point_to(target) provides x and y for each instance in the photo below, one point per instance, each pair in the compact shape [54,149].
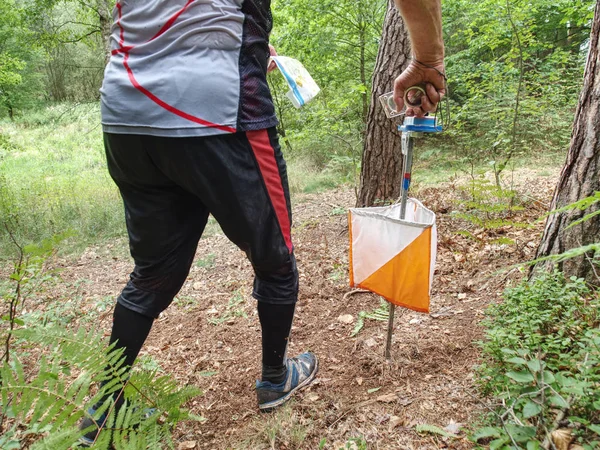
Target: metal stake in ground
[407,153]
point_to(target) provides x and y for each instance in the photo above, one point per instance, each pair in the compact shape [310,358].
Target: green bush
[48,373]
[542,362]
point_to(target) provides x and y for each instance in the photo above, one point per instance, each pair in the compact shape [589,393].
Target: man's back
[188,68]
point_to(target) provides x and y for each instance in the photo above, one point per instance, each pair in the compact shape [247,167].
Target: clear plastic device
[389,105]
[412,97]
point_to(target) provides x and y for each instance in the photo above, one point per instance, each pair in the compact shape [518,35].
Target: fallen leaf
[453,427]
[370,342]
[313,397]
[186,445]
[387,398]
[371,391]
[359,381]
[394,422]
[405,401]
[462,296]
[561,438]
[346,318]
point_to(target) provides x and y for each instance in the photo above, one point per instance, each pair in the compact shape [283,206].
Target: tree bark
[382,159]
[580,176]
[104,12]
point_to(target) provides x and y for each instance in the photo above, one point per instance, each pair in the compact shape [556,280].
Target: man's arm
[423,20]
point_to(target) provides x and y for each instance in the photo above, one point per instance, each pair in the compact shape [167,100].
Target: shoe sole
[268,407]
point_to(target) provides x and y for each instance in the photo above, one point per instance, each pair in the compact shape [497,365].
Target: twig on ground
[355,291]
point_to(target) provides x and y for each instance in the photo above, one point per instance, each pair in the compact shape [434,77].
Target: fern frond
[63,439]
[54,399]
[83,350]
[45,398]
[432,429]
[160,392]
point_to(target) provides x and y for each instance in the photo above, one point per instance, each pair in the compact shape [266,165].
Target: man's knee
[151,294]
[276,283]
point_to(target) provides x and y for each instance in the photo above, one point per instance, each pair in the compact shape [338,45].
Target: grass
[284,428]
[53,177]
[305,177]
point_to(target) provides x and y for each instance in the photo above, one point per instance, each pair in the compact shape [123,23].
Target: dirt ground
[210,336]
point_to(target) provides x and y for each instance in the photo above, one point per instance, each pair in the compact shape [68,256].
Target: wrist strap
[431,67]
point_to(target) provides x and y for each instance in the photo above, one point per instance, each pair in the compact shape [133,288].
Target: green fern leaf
[432,429]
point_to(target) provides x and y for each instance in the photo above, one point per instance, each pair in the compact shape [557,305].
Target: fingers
[399,89]
[430,79]
[430,101]
[428,104]
[272,66]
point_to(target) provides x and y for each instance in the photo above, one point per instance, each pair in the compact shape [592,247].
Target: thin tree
[580,176]
[382,159]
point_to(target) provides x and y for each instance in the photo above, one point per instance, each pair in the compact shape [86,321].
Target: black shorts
[170,185]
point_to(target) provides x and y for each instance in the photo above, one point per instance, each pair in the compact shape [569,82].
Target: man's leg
[164,224]
[241,178]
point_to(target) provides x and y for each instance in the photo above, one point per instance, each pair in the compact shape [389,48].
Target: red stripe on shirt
[170,22]
[146,92]
[265,156]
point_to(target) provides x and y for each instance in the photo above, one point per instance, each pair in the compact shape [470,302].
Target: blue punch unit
[420,125]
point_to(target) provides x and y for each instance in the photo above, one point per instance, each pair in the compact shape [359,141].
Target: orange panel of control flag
[394,257]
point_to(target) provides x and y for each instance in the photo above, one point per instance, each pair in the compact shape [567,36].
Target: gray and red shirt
[188,68]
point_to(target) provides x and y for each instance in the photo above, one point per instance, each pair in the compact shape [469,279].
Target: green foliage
[20,59]
[432,429]
[51,400]
[234,309]
[337,42]
[355,443]
[43,401]
[27,275]
[206,263]
[488,207]
[515,70]
[592,251]
[381,313]
[542,351]
[53,177]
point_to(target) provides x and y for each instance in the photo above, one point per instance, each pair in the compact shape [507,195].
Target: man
[189,129]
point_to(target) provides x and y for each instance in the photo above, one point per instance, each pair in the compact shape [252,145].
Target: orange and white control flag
[394,257]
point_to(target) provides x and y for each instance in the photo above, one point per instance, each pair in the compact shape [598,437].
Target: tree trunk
[580,177]
[104,12]
[363,75]
[382,159]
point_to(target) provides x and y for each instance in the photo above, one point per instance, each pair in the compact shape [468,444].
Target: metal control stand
[411,128]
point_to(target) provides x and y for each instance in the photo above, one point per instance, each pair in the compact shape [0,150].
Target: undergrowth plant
[28,274]
[381,313]
[234,309]
[49,373]
[43,401]
[488,207]
[542,365]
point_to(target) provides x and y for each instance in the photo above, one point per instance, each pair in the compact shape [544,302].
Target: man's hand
[272,66]
[423,20]
[430,78]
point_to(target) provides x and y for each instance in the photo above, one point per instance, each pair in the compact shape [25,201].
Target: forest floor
[210,336]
